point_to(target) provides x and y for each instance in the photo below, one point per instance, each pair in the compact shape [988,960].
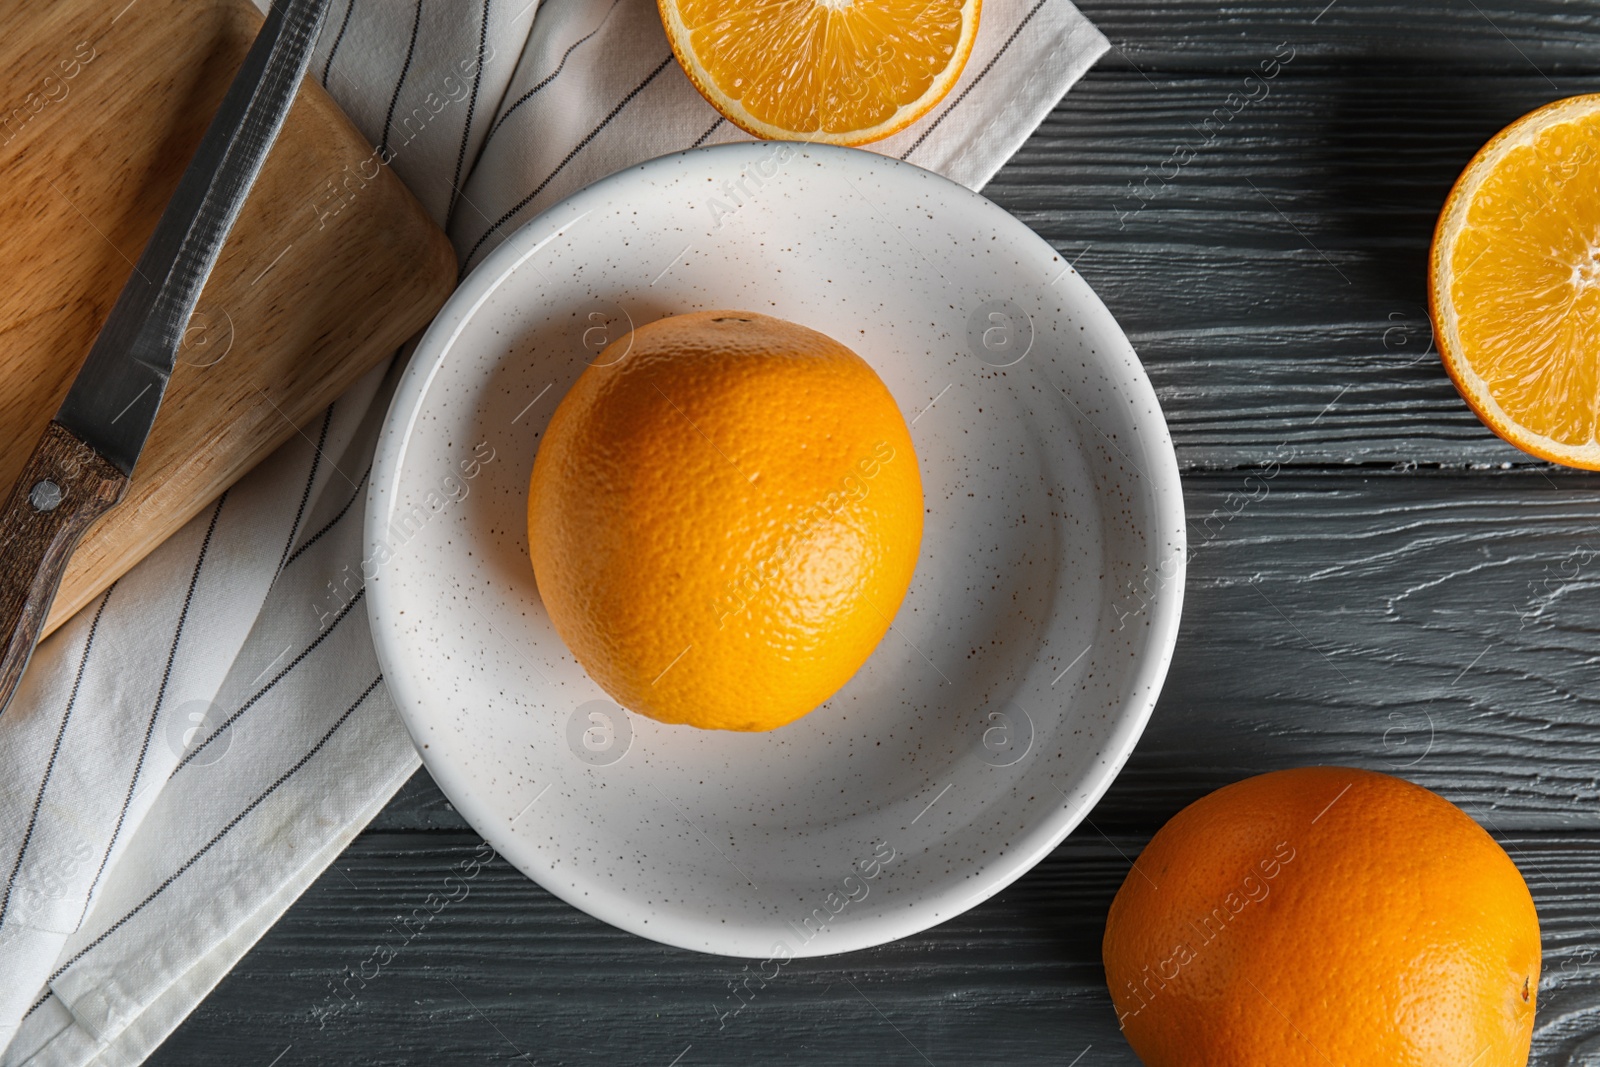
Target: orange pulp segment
[1515,287]
[838,71]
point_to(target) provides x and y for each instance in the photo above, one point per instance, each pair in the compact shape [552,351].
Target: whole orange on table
[724,516]
[1321,916]
[1516,283]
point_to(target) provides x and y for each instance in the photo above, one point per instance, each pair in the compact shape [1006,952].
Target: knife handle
[65,486]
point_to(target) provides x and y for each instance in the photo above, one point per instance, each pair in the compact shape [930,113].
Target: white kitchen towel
[195,747]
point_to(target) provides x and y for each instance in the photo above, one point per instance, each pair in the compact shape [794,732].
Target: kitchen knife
[81,465]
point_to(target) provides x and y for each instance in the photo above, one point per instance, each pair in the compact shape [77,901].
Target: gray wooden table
[1409,595]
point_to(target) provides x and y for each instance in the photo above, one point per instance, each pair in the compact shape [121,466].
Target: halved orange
[1515,291]
[838,71]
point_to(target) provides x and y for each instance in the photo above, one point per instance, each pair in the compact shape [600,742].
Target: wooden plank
[1556,36]
[1437,625]
[507,971]
[1389,587]
[1275,284]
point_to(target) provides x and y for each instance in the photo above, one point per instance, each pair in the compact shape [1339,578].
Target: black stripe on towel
[209,845]
[394,99]
[155,708]
[472,107]
[581,145]
[327,68]
[331,523]
[548,78]
[344,613]
[55,750]
[305,494]
[713,129]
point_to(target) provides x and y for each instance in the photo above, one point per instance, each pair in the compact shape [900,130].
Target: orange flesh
[1518,272]
[840,72]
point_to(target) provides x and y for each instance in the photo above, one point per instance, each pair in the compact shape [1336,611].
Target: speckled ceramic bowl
[1019,672]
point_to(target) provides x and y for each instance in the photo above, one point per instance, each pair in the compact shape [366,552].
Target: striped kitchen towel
[193,749]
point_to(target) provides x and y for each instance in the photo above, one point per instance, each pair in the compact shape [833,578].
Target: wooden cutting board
[331,266]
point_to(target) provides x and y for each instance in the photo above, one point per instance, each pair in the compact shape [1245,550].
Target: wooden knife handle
[65,486]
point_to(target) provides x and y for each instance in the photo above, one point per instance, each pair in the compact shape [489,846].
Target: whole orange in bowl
[1321,916]
[724,516]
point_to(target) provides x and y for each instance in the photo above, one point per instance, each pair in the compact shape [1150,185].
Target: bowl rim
[1161,615]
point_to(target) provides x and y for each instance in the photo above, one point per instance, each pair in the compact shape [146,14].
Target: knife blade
[80,468]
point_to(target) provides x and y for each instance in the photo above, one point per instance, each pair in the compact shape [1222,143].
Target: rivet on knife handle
[83,463]
[63,489]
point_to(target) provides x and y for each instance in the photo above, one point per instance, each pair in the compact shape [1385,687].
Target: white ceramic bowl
[1018,674]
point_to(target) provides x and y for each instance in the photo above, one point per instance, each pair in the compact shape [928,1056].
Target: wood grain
[319,281]
[1559,36]
[1391,541]
[1436,626]
[510,972]
[65,486]
[1275,285]
[1390,586]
